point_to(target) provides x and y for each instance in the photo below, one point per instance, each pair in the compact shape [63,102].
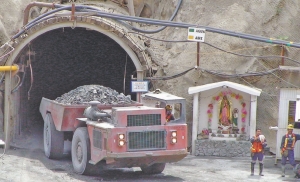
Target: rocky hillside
[271,18]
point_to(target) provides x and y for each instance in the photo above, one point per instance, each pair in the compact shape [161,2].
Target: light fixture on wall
[224,86]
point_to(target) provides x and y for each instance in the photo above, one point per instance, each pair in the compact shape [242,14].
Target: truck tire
[81,151]
[53,139]
[154,168]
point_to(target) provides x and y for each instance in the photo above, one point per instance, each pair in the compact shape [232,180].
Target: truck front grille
[144,120]
[146,140]
[97,139]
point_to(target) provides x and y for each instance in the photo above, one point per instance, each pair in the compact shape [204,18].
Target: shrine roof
[161,95]
[237,86]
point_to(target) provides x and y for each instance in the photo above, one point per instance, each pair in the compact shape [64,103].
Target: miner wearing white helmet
[287,148]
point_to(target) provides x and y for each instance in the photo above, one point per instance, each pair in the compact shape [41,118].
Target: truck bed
[64,116]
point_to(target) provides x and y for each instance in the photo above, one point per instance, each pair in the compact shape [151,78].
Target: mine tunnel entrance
[64,59]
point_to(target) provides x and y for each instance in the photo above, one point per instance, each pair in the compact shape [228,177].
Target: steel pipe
[9,68]
[38,4]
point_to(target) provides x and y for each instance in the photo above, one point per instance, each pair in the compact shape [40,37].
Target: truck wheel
[81,151]
[53,139]
[154,168]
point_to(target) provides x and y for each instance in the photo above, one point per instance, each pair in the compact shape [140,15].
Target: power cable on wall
[159,29]
[272,72]
[169,77]
[223,74]
[270,95]
[223,50]
[97,12]
[163,23]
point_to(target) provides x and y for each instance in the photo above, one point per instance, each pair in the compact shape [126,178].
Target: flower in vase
[243,104]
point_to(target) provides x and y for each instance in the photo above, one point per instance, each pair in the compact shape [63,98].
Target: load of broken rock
[85,94]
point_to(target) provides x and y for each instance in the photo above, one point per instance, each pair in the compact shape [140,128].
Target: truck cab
[161,99]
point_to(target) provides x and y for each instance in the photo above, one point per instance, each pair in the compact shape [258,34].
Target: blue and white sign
[139,86]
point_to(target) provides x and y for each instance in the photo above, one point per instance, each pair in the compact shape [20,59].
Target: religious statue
[225,112]
[235,114]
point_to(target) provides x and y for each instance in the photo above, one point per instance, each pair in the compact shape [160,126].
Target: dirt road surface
[26,162]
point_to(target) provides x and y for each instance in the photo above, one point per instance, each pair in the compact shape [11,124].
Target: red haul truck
[128,135]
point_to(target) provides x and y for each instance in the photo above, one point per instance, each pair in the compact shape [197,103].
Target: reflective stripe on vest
[257,146]
[287,138]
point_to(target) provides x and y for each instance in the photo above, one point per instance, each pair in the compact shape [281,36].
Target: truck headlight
[173,137]
[121,136]
[121,143]
[174,140]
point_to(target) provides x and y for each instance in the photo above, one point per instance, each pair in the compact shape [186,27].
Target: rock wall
[11,18]
[270,18]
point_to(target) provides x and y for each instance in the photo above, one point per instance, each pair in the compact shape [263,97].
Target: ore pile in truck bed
[87,93]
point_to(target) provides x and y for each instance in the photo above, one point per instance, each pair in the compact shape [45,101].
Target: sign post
[196,34]
[139,86]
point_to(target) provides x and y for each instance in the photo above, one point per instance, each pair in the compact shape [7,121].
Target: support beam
[195,121]
[131,8]
[253,107]
[7,109]
[140,76]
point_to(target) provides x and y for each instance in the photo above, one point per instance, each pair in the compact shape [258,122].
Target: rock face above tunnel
[87,93]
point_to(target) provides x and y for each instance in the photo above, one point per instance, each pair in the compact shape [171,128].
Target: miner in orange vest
[257,150]
[169,115]
[287,147]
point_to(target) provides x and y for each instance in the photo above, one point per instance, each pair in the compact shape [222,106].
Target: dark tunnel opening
[64,59]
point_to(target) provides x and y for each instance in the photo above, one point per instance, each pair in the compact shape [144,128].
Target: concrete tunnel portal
[66,58]
[63,58]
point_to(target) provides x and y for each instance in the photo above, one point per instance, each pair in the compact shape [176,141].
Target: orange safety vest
[286,141]
[256,146]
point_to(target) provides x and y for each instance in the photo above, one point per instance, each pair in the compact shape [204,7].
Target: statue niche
[225,115]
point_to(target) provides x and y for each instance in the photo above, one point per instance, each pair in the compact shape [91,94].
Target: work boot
[252,168]
[295,169]
[283,170]
[261,166]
